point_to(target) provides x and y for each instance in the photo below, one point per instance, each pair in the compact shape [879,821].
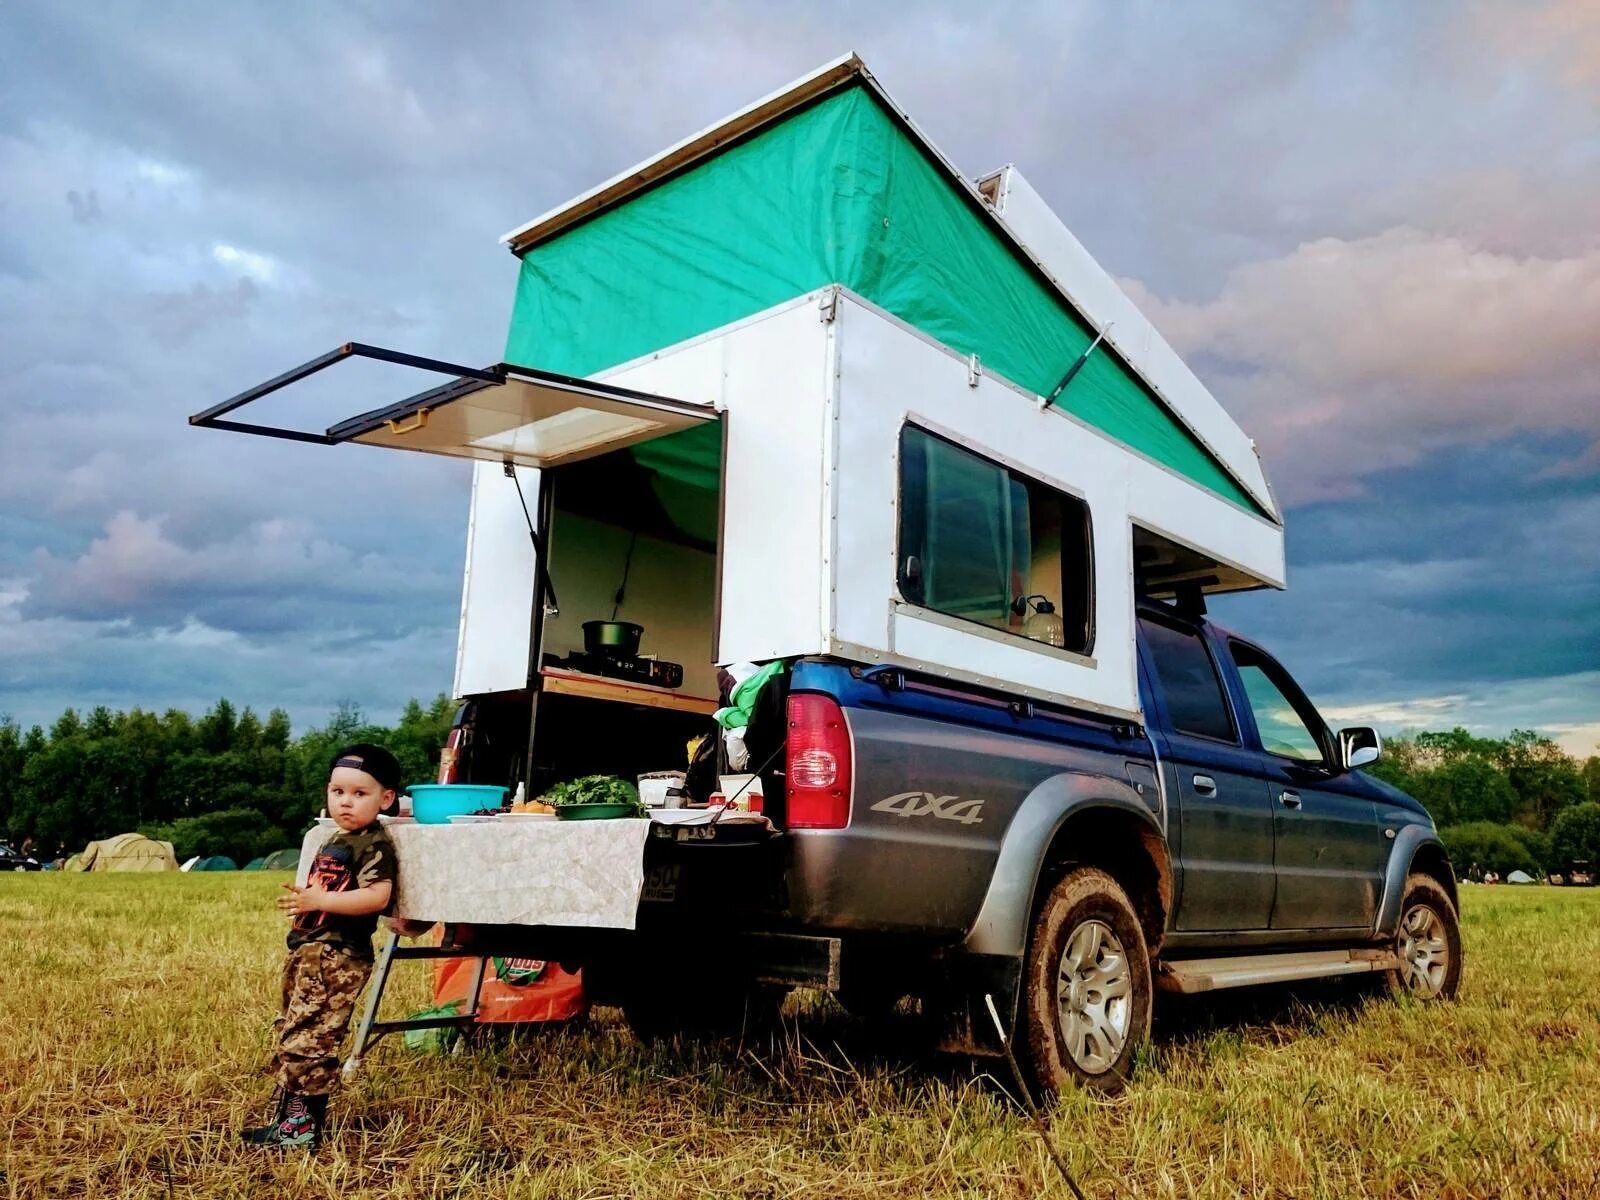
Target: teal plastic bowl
[436,803]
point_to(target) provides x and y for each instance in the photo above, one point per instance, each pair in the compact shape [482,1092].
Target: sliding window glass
[984,543]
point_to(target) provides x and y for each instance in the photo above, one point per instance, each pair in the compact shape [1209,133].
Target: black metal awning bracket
[547,587]
[467,379]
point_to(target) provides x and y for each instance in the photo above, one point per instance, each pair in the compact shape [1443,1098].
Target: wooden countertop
[558,681]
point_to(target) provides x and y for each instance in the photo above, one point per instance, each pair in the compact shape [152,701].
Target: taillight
[819,763]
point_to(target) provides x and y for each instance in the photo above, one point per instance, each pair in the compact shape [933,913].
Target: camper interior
[626,654]
[1166,569]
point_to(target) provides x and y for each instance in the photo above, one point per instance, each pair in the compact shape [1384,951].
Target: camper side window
[980,541]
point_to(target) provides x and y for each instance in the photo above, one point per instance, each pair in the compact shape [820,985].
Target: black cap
[373,759]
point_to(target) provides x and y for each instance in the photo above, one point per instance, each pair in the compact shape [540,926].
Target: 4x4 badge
[926,804]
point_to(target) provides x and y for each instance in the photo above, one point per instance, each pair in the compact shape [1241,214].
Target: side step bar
[1212,974]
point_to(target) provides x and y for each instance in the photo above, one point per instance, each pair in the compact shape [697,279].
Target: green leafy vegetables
[595,789]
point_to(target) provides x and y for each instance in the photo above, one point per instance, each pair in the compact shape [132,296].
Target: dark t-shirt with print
[347,861]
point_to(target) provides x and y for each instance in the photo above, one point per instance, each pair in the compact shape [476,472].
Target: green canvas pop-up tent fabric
[125,852]
[216,862]
[835,193]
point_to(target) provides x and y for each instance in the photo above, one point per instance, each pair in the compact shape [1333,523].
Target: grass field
[134,1013]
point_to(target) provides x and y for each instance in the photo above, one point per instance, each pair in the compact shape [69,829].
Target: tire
[1428,940]
[1086,986]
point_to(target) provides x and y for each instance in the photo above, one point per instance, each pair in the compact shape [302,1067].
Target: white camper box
[815,393]
[811,393]
[792,290]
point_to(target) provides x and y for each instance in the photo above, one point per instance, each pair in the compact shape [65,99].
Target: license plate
[660,885]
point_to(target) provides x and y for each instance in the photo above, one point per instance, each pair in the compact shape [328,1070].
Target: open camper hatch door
[501,413]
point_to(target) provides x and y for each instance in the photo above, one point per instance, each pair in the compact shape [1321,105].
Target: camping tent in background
[282,860]
[1519,877]
[216,862]
[255,864]
[188,863]
[125,852]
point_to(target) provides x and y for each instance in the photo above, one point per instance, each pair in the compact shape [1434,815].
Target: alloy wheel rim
[1094,997]
[1424,951]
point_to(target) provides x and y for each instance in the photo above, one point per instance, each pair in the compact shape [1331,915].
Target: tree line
[1518,803]
[231,783]
[227,782]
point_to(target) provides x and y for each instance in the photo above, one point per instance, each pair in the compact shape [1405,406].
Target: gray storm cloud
[1371,227]
[1348,356]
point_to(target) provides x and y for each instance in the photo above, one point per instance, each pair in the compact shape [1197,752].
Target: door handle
[1289,799]
[1205,785]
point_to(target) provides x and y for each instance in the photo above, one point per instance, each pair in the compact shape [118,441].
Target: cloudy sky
[1372,228]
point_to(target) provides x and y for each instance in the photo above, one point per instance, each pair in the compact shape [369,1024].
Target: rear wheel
[1428,941]
[1086,986]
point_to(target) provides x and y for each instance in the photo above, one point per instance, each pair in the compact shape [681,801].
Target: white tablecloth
[514,872]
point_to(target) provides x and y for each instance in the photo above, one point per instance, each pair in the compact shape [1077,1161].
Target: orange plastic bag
[514,989]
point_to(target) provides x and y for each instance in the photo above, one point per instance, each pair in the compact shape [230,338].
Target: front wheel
[1428,942]
[1086,986]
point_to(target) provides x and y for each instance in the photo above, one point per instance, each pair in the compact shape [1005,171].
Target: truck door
[1330,850]
[1222,829]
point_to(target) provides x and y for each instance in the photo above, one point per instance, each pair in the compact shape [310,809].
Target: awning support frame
[211,418]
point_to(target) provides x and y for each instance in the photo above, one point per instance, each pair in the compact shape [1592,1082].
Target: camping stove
[654,672]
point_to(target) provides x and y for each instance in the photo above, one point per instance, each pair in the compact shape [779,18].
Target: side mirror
[1358,746]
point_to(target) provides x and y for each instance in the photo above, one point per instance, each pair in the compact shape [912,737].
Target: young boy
[334,915]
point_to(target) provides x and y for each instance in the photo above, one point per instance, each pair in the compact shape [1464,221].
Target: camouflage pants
[320,986]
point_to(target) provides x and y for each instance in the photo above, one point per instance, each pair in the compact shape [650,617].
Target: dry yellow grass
[133,1021]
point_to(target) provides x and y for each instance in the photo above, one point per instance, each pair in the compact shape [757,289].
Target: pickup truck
[955,844]
[925,452]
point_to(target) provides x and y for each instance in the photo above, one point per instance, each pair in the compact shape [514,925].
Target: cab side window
[1189,681]
[1286,728]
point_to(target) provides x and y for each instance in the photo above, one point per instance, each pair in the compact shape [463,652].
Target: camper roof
[1223,458]
[844,71]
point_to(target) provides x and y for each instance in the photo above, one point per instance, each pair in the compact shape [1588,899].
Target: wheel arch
[1125,846]
[1417,850]
[1433,860]
[1075,820]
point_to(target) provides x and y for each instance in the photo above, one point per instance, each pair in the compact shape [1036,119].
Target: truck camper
[794,404]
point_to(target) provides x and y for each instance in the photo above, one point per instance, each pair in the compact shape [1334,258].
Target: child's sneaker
[299,1125]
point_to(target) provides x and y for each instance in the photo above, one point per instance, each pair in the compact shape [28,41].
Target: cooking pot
[614,639]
